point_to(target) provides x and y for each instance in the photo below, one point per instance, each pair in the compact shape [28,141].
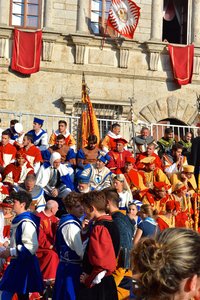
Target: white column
[4,12]
[156,20]
[83,16]
[196,21]
[48,14]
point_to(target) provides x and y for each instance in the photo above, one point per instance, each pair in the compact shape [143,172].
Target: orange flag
[89,123]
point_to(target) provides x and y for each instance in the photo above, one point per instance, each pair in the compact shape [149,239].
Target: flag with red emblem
[123,17]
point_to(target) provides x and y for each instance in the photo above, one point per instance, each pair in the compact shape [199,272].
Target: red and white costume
[7,154]
[16,174]
[33,155]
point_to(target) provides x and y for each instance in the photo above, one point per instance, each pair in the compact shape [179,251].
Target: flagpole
[132,101]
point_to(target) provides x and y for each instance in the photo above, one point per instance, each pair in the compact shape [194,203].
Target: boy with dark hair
[7,151]
[23,275]
[70,249]
[122,274]
[102,250]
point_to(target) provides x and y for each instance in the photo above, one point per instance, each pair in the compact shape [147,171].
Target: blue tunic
[69,269]
[23,274]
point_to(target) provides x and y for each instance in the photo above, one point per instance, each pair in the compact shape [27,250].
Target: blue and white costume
[40,139]
[60,178]
[70,250]
[23,274]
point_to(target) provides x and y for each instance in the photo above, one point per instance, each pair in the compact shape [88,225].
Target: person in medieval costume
[22,275]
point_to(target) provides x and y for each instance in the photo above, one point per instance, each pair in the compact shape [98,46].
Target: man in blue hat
[100,176]
[40,137]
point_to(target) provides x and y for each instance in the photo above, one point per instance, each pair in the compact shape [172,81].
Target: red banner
[182,63]
[26,51]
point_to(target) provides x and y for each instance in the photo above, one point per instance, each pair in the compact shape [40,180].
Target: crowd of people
[83,223]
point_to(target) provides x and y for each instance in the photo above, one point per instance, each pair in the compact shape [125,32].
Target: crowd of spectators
[94,205]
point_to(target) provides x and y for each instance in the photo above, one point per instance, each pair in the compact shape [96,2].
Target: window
[176,21]
[26,13]
[99,16]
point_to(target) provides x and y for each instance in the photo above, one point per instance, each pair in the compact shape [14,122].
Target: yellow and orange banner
[89,123]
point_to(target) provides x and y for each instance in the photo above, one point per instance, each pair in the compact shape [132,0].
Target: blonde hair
[162,263]
[122,178]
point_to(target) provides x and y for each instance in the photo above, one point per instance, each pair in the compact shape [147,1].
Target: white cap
[18,127]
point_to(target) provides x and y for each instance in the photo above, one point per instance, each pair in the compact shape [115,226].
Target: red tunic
[33,154]
[48,258]
[140,156]
[16,173]
[118,159]
[101,252]
[7,154]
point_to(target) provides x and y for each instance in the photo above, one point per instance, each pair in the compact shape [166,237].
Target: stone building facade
[119,70]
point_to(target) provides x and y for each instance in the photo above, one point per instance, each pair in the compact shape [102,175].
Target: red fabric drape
[26,51]
[182,63]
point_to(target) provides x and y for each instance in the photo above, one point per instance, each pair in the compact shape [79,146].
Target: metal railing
[51,124]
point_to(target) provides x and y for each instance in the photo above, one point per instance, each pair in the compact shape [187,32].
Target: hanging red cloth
[182,63]
[26,51]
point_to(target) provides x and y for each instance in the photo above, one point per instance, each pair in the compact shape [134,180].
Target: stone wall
[138,68]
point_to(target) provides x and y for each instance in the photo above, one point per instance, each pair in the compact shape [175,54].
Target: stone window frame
[26,3]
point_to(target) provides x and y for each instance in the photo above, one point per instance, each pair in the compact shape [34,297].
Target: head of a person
[27,139]
[160,189]
[94,203]
[13,122]
[21,200]
[129,164]
[120,144]
[168,267]
[92,141]
[62,126]
[149,163]
[150,149]
[102,159]
[73,205]
[168,134]
[55,160]
[83,184]
[119,182]
[145,211]
[21,158]
[5,139]
[180,189]
[170,206]
[52,207]
[30,182]
[37,124]
[7,206]
[132,210]
[145,132]
[112,198]
[60,141]
[116,128]
[177,150]
[188,171]
[188,136]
